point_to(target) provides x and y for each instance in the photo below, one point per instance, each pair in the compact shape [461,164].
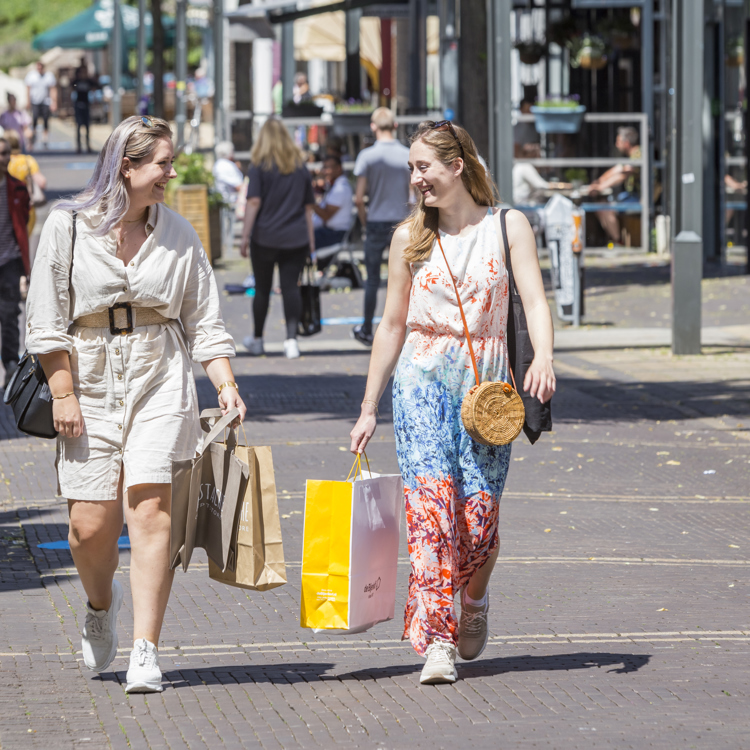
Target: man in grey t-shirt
[382,173]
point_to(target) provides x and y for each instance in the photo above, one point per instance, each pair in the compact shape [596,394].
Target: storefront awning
[92,28]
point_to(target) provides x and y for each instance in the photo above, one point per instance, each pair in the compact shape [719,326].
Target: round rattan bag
[493,413]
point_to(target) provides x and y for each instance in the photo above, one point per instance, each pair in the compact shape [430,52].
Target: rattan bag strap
[463,318]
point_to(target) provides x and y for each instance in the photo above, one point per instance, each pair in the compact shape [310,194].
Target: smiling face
[147,179]
[437,182]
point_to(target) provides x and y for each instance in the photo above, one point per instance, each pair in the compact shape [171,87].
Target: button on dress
[137,391]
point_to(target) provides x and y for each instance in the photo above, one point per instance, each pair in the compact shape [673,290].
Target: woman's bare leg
[477,586]
[93,533]
[147,511]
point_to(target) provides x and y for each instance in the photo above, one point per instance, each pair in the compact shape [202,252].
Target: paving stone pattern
[619,606]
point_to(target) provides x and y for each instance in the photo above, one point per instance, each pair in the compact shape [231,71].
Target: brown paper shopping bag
[257,549]
[206,491]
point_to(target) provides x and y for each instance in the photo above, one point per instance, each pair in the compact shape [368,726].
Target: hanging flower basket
[530,53]
[735,53]
[558,117]
[591,59]
[588,51]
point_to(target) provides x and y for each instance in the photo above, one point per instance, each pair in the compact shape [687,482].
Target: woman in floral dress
[453,485]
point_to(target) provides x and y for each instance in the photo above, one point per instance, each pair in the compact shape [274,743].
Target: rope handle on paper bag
[358,466]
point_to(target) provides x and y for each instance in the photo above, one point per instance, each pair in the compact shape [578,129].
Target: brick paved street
[619,606]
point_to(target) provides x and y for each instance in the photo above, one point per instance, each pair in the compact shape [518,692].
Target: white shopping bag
[350,552]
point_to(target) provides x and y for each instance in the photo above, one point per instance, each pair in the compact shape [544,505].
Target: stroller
[338,264]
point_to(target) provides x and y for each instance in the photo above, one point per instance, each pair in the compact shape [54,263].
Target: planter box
[558,119]
[191,202]
[351,123]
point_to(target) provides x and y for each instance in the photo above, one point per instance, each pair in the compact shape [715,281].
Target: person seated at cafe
[527,182]
[623,176]
[525,132]
[333,215]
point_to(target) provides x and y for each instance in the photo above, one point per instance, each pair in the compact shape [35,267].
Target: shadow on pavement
[276,674]
[564,662]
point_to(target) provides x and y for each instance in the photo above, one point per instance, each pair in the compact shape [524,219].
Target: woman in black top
[278,228]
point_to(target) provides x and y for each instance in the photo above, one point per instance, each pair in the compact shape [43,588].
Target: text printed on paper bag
[212,498]
[326,595]
[371,588]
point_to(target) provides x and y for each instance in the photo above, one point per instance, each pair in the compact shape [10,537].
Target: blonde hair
[382,118]
[275,148]
[135,138]
[422,223]
[11,138]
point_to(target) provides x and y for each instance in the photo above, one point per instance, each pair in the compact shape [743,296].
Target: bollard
[687,272]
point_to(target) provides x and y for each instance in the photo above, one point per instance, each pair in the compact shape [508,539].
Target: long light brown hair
[422,223]
[275,148]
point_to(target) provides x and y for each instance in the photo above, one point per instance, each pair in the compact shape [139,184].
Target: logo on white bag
[212,497]
[371,588]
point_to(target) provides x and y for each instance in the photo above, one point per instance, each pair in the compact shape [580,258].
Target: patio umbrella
[92,28]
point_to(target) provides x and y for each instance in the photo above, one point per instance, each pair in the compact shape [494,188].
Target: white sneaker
[144,675]
[254,346]
[291,349]
[441,663]
[472,628]
[99,636]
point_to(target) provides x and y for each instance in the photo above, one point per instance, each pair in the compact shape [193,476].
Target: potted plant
[192,195]
[531,52]
[352,118]
[558,115]
[588,51]
[735,52]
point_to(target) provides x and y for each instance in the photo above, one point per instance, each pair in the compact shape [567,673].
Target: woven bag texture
[493,413]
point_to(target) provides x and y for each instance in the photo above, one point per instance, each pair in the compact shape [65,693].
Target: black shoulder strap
[73,244]
[506,244]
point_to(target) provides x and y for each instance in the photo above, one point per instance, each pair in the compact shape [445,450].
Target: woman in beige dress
[135,281]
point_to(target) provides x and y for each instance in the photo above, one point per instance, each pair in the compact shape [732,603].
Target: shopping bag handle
[224,422]
[358,465]
[216,414]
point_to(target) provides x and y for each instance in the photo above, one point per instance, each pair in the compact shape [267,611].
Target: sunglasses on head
[147,121]
[448,125]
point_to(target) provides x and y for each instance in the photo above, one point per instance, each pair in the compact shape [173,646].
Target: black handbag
[28,392]
[309,322]
[521,352]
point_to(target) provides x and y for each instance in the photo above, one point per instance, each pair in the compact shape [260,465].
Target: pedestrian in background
[278,228]
[17,121]
[25,167]
[83,85]
[14,258]
[333,215]
[382,174]
[42,94]
[228,179]
[143,300]
[452,485]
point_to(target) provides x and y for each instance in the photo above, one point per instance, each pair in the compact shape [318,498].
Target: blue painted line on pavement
[123,543]
[345,321]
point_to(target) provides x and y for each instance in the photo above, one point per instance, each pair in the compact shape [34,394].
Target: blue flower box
[558,119]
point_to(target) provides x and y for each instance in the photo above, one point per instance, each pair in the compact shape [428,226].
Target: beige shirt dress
[137,392]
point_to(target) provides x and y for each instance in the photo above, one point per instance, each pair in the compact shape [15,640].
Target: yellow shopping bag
[350,551]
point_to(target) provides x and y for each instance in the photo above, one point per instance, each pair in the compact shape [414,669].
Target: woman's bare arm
[540,377]
[66,412]
[251,213]
[389,339]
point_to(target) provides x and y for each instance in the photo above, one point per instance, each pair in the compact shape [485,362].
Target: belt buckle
[129,312]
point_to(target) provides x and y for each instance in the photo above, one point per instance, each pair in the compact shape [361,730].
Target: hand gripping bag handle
[220,426]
